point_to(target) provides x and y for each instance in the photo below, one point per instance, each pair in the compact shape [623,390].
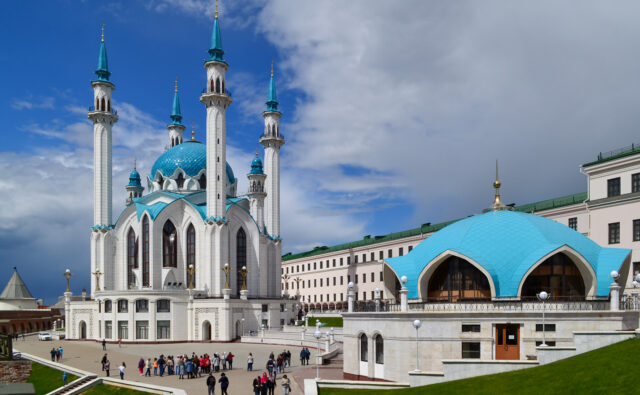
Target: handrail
[93,109]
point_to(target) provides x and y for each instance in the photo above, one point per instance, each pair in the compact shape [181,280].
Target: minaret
[216,100]
[103,118]
[134,187]
[256,191]
[176,128]
[272,140]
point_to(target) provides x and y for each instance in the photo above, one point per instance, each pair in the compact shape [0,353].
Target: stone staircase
[77,386]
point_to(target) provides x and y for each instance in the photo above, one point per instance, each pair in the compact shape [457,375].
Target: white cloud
[32,102]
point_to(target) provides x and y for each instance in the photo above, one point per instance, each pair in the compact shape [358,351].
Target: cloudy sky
[394,112]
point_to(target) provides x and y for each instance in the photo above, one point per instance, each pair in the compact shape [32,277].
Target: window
[364,352]
[364,278]
[348,260]
[145,251]
[613,187]
[107,306]
[191,256]
[410,248]
[108,330]
[163,306]
[373,296]
[334,281]
[321,297]
[169,245]
[364,258]
[308,283]
[381,255]
[334,263]
[123,306]
[315,283]
[123,329]
[400,251]
[320,264]
[314,266]
[241,256]
[573,223]
[470,327]
[470,350]
[364,295]
[635,182]
[614,233]
[202,181]
[636,230]
[341,280]
[389,254]
[132,261]
[341,295]
[282,307]
[373,256]
[320,282]
[355,276]
[381,278]
[378,344]
[636,268]
[265,308]
[348,278]
[355,259]
[455,280]
[164,330]
[373,277]
[142,329]
[142,306]
[547,327]
[340,261]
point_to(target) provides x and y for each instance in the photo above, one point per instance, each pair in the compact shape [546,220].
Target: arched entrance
[238,330]
[82,329]
[557,275]
[456,280]
[206,330]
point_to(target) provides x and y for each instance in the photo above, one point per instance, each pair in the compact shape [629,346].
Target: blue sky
[394,112]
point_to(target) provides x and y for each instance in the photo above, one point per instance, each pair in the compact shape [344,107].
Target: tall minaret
[256,191]
[103,118]
[216,100]
[272,140]
[176,128]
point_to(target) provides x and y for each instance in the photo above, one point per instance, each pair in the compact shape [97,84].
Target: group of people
[276,364]
[183,365]
[106,367]
[266,385]
[304,356]
[56,354]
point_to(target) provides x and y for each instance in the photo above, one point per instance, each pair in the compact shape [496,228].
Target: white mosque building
[192,259]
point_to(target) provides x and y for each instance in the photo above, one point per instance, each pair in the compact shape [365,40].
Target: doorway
[206,330]
[83,330]
[508,341]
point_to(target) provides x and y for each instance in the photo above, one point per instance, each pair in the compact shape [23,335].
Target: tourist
[216,363]
[224,383]
[121,368]
[170,364]
[147,367]
[189,368]
[141,366]
[107,367]
[307,354]
[288,358]
[161,364]
[230,359]
[211,384]
[286,385]
[64,378]
[104,344]
[53,354]
[271,365]
[256,386]
[180,367]
[280,363]
[303,356]
[224,361]
[60,351]
[155,366]
[119,342]
[250,362]
[271,384]
[263,383]
[104,360]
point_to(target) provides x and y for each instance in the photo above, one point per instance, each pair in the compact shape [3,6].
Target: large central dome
[190,156]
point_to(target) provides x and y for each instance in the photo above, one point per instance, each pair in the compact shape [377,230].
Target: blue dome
[134,179]
[256,165]
[507,244]
[190,156]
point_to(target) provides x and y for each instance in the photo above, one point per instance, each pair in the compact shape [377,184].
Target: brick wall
[14,371]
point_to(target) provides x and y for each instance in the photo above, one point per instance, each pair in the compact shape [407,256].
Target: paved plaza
[86,355]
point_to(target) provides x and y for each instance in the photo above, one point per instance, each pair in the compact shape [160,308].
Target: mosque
[192,259]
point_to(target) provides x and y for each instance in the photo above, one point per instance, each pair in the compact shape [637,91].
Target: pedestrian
[256,386]
[107,367]
[302,356]
[224,383]
[141,366]
[155,366]
[307,354]
[147,366]
[286,385]
[104,360]
[180,368]
[60,351]
[271,384]
[263,383]
[161,364]
[119,342]
[53,354]
[121,368]
[57,355]
[211,384]
[189,368]
[170,365]
[224,361]
[250,362]
[64,378]
[230,359]
[104,344]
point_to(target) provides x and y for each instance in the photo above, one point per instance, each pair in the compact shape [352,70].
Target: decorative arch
[241,256]
[206,330]
[169,245]
[180,180]
[191,255]
[132,257]
[363,347]
[217,85]
[102,106]
[425,276]
[203,181]
[145,251]
[211,89]
[378,348]
[82,330]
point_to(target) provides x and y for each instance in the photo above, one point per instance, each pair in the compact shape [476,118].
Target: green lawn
[46,379]
[609,370]
[335,322]
[110,389]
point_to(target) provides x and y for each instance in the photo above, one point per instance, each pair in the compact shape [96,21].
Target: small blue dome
[256,165]
[134,179]
[190,156]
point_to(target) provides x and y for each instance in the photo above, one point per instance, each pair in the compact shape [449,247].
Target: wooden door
[507,341]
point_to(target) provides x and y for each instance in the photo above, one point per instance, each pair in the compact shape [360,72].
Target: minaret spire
[215,49]
[176,128]
[103,66]
[497,202]
[272,101]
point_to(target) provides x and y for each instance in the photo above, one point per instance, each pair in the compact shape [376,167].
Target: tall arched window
[211,86]
[241,256]
[145,251]
[456,280]
[97,104]
[102,106]
[191,254]
[364,351]
[180,180]
[222,86]
[109,105]
[217,85]
[169,245]
[131,258]
[379,345]
[203,182]
[557,275]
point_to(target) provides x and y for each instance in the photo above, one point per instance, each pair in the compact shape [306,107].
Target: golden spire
[176,83]
[257,148]
[497,202]
[103,32]
[216,9]
[271,67]
[193,131]
[135,162]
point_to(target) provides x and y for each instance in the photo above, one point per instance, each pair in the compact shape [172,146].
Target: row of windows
[341,299]
[613,185]
[142,306]
[329,263]
[614,231]
[163,330]
[335,281]
[476,328]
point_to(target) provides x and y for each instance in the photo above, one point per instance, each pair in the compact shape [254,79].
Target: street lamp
[242,324]
[67,274]
[417,324]
[317,334]
[543,296]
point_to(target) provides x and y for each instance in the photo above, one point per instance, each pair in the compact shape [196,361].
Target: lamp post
[97,273]
[285,278]
[417,324]
[244,272]
[242,325]
[227,270]
[317,334]
[67,274]
[191,271]
[614,290]
[634,293]
[543,296]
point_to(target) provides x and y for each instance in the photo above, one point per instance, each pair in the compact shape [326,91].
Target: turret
[256,192]
[134,187]
[176,128]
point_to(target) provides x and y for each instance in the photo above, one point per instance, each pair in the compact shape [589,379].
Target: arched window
[223,86]
[203,182]
[109,105]
[364,352]
[379,346]
[169,245]
[191,254]
[108,306]
[180,181]
[131,258]
[457,280]
[102,106]
[217,85]
[97,104]
[557,275]
[145,251]
[241,256]
[211,86]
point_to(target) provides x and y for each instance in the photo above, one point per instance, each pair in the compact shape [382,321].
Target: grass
[111,389]
[609,370]
[46,379]
[335,322]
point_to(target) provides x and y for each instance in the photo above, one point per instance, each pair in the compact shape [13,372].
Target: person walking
[104,344]
[141,366]
[60,351]
[53,354]
[107,367]
[121,368]
[256,386]
[64,378]
[147,367]
[250,362]
[271,384]
[263,383]
[224,383]
[155,366]
[229,358]
[224,361]
[103,361]
[211,384]
[302,357]
[286,385]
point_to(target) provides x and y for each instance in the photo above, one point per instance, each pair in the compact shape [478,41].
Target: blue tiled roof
[134,179]
[190,156]
[256,165]
[507,244]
